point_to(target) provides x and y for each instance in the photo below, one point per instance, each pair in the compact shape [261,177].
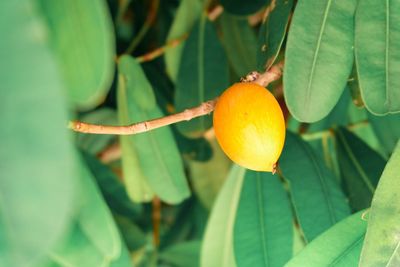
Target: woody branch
[263,79]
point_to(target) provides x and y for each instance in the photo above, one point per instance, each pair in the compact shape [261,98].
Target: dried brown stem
[263,79]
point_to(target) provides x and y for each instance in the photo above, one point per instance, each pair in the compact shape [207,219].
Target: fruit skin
[249,126]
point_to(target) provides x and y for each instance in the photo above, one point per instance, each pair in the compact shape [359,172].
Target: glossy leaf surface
[360,166]
[382,241]
[378,58]
[156,152]
[263,225]
[317,197]
[82,37]
[338,246]
[186,16]
[319,57]
[217,247]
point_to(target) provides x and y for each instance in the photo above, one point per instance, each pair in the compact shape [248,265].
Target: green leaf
[133,236]
[243,8]
[240,43]
[81,34]
[273,32]
[360,166]
[217,246]
[95,143]
[337,116]
[317,198]
[136,184]
[381,245]
[182,254]
[339,246]
[95,218]
[154,153]
[319,57]
[141,91]
[94,239]
[208,177]
[263,226]
[378,58]
[202,76]
[124,260]
[37,181]
[77,250]
[112,189]
[185,18]
[387,129]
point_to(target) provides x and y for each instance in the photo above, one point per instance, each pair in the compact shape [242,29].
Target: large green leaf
[317,198]
[94,239]
[387,129]
[339,246]
[36,159]
[238,7]
[186,16]
[156,152]
[77,250]
[273,32]
[81,34]
[382,241]
[112,189]
[217,246]
[134,179]
[95,218]
[337,116]
[240,43]
[263,226]
[319,57]
[360,166]
[134,237]
[378,58]
[202,76]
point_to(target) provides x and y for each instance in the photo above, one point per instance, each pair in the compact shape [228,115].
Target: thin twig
[156,217]
[201,110]
[263,79]
[214,13]
[146,26]
[161,50]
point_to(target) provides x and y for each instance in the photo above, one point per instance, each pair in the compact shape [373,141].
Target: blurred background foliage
[170,197]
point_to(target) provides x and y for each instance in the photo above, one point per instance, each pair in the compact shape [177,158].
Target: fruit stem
[263,79]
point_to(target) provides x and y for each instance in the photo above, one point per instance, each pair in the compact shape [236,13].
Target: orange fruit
[249,126]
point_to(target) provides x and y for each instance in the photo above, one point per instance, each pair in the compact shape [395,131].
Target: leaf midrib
[261,219]
[311,78]
[322,182]
[347,250]
[166,173]
[387,54]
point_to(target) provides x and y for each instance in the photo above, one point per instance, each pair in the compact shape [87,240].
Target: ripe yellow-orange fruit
[249,126]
